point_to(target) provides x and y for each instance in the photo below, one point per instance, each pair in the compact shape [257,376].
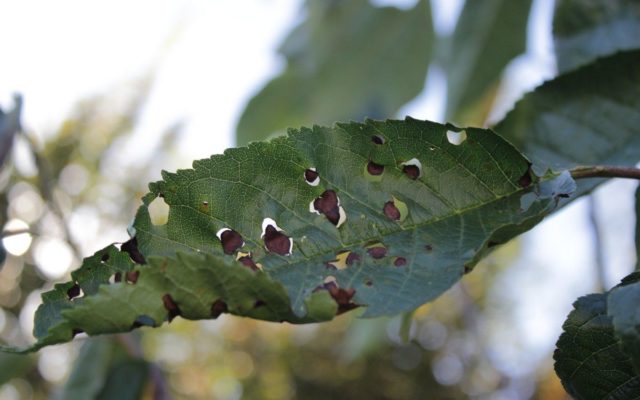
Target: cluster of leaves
[382,215]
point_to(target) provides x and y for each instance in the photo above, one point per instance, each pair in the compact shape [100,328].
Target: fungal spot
[378,139]
[352,258]
[105,257]
[412,168]
[329,204]
[143,320]
[131,247]
[230,239]
[171,307]
[377,251]
[131,276]
[375,169]
[428,247]
[217,308]
[456,138]
[341,260]
[312,177]
[204,207]
[158,211]
[526,179]
[400,261]
[368,282]
[259,303]
[248,262]
[391,211]
[74,291]
[274,240]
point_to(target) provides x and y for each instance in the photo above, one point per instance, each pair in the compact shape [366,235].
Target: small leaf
[624,310]
[369,63]
[489,34]
[586,30]
[588,358]
[90,372]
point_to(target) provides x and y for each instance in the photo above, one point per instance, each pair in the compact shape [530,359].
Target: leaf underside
[260,231]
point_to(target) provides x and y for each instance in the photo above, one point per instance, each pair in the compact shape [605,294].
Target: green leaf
[126,381]
[588,358]
[585,117]
[368,64]
[279,208]
[637,228]
[91,370]
[9,126]
[588,29]
[489,34]
[624,309]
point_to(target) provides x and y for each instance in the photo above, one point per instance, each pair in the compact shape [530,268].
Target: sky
[210,56]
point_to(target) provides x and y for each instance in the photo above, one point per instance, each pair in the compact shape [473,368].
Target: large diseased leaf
[381,215]
[588,358]
[347,60]
[589,116]
[587,29]
[489,34]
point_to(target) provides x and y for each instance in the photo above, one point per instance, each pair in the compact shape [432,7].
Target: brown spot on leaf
[131,247]
[428,247]
[391,211]
[218,307]
[412,171]
[327,204]
[171,307]
[276,241]
[117,277]
[353,257]
[377,139]
[492,244]
[248,262]
[368,282]
[132,276]
[467,269]
[526,179]
[74,291]
[342,297]
[231,241]
[375,169]
[377,251]
[259,303]
[310,175]
[400,261]
[105,257]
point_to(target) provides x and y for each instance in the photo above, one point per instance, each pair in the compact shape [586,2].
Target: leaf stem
[604,171]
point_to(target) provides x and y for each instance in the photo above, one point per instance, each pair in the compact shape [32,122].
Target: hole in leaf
[230,239]
[378,139]
[329,204]
[217,308]
[312,177]
[400,261]
[171,307]
[143,320]
[105,257]
[74,291]
[274,240]
[204,207]
[412,168]
[375,169]
[132,276]
[377,251]
[158,211]
[131,247]
[456,138]
[341,261]
[115,278]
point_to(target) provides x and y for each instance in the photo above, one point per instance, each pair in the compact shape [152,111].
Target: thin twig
[601,277]
[46,189]
[605,171]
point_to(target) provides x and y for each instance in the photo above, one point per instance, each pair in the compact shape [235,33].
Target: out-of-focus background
[114,92]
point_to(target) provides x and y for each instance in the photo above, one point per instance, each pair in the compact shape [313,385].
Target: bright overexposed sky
[210,56]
